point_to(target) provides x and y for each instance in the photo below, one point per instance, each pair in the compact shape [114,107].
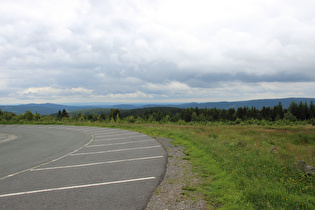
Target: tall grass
[239,168]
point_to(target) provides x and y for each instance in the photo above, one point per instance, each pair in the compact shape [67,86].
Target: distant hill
[252,103]
[50,108]
[42,109]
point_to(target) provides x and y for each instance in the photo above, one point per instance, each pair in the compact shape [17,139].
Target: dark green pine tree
[306,111]
[312,110]
[64,113]
[114,114]
[294,109]
[59,116]
[301,111]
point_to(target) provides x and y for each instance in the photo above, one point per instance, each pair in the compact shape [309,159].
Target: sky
[139,51]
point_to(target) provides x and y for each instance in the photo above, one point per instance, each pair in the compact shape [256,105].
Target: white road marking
[129,142]
[117,150]
[97,163]
[119,138]
[10,175]
[111,131]
[116,134]
[74,187]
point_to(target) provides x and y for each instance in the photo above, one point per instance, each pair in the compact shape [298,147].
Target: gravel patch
[178,188]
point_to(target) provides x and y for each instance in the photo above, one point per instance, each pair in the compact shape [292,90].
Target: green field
[238,168]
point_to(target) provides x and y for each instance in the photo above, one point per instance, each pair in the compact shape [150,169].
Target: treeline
[295,112]
[301,111]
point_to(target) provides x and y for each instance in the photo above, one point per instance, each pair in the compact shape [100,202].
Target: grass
[237,166]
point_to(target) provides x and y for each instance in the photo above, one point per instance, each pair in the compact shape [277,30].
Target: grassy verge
[238,167]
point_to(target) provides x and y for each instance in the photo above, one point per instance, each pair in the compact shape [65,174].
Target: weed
[303,139]
[213,136]
[189,188]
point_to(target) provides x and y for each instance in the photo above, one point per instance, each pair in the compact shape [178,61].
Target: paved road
[69,167]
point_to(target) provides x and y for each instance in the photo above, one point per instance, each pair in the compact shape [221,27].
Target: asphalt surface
[70,167]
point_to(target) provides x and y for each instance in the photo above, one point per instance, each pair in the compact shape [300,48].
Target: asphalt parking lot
[98,168]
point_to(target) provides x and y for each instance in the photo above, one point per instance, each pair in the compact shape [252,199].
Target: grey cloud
[212,80]
[107,48]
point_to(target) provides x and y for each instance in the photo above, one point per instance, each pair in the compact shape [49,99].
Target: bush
[289,117]
[131,119]
[28,115]
[238,121]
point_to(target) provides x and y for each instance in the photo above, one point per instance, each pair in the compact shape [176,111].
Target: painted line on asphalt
[40,165]
[128,142]
[75,187]
[112,131]
[116,132]
[109,135]
[120,138]
[117,150]
[78,128]
[97,163]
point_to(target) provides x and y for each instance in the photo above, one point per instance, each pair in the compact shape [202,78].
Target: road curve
[70,167]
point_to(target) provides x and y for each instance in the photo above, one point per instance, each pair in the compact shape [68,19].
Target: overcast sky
[65,51]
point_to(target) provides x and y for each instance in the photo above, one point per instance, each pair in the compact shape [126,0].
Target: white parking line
[116,134]
[111,131]
[117,150]
[75,187]
[129,142]
[54,160]
[119,138]
[97,163]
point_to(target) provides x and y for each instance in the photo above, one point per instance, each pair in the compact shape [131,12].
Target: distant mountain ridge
[50,108]
[260,103]
[42,109]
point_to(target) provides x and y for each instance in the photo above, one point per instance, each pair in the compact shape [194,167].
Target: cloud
[154,49]
[170,88]
[136,95]
[53,92]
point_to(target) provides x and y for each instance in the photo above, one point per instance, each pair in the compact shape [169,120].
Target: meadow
[239,168]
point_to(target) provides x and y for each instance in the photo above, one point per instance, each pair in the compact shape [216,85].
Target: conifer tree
[312,110]
[64,113]
[59,116]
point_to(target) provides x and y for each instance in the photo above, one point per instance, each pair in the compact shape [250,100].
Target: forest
[296,112]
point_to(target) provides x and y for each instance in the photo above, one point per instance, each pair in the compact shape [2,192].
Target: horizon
[149,103]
